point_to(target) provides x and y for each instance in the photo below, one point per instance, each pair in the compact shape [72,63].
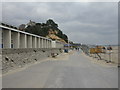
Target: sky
[82,22]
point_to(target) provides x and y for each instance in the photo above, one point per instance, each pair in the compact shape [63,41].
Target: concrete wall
[14,58]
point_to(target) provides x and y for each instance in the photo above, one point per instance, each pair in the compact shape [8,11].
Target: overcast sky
[83,22]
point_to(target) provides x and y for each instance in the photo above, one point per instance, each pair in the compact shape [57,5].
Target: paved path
[72,71]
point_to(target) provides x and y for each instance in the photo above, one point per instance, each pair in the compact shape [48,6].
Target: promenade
[73,70]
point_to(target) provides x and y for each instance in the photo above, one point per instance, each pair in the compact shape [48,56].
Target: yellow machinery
[95,50]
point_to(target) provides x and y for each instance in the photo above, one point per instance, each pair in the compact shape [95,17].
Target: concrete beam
[6,38]
[16,39]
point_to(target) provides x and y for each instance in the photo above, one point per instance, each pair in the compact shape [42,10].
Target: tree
[65,37]
[52,24]
[42,29]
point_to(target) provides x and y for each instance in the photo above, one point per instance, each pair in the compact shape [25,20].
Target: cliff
[49,29]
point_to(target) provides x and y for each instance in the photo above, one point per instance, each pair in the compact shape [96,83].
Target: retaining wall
[14,58]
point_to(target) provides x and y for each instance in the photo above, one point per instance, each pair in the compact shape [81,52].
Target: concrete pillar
[16,39]
[42,43]
[50,44]
[34,42]
[29,41]
[57,45]
[6,38]
[45,43]
[39,42]
[0,38]
[23,40]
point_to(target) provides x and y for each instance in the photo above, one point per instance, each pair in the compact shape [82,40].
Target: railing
[85,49]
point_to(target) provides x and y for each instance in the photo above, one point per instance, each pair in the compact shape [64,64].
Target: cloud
[83,22]
[60,1]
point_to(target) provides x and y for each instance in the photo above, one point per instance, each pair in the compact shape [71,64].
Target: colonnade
[13,38]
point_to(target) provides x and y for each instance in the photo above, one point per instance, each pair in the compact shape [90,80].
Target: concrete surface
[72,70]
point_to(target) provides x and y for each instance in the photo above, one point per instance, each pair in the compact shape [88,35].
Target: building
[22,27]
[31,23]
